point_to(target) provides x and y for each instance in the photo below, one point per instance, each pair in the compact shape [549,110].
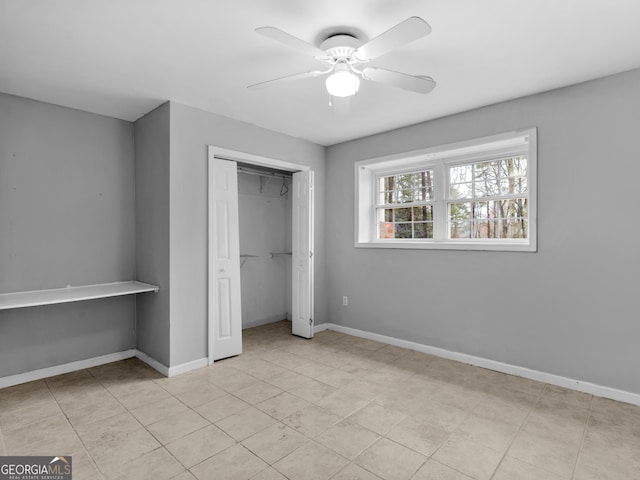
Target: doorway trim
[243,157]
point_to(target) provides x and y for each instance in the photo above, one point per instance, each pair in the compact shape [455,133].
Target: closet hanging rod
[263,174]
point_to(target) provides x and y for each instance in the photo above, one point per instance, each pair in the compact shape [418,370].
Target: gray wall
[191,131]
[152,231]
[66,218]
[570,309]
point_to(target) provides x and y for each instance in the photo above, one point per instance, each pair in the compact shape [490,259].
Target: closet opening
[260,247]
[265,213]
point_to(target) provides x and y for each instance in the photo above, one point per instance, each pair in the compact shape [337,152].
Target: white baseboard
[152,362]
[264,321]
[187,367]
[579,385]
[25,377]
[171,371]
[320,328]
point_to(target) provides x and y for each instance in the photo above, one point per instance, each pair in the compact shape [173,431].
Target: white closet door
[302,254]
[225,317]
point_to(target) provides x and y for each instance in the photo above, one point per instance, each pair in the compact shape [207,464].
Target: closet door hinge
[310,321]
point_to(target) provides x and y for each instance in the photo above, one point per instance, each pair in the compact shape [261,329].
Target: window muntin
[404,205]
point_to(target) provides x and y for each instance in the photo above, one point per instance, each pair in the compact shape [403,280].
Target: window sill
[506,246]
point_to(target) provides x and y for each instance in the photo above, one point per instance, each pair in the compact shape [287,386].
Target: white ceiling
[123,58]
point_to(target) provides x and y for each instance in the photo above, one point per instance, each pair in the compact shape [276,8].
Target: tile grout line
[162,445]
[281,421]
[144,427]
[3,445]
[93,462]
[214,424]
[544,389]
[584,435]
[237,442]
[450,434]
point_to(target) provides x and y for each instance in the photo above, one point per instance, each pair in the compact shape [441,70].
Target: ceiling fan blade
[291,41]
[286,78]
[408,31]
[413,83]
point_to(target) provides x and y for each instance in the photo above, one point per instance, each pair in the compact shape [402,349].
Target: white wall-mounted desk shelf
[73,294]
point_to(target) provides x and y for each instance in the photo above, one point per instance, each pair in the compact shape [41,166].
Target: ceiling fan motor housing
[341,46]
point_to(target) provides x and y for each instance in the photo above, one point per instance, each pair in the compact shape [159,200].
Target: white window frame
[395,205]
[515,143]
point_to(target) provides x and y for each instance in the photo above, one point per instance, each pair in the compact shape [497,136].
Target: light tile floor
[335,407]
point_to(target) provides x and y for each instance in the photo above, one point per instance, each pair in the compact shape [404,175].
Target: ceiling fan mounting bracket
[340,46]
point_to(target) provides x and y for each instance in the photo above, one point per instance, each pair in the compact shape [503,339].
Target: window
[405,205]
[477,195]
[488,199]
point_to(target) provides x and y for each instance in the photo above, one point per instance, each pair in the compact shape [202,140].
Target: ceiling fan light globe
[342,84]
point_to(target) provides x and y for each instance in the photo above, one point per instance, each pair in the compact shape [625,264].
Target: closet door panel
[225,316]
[302,254]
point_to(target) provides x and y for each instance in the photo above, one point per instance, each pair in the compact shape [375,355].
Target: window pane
[405,181]
[403,230]
[493,178]
[513,167]
[386,183]
[405,188]
[492,219]
[460,174]
[517,185]
[385,230]
[405,196]
[402,215]
[459,211]
[425,185]
[482,170]
[481,210]
[459,229]
[423,230]
[426,193]
[486,186]
[514,208]
[514,228]
[486,229]
[461,190]
[423,213]
[385,198]
[385,215]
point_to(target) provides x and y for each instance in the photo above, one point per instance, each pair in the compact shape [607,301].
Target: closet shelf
[73,294]
[280,254]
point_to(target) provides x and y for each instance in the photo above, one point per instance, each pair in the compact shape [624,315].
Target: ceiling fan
[343,54]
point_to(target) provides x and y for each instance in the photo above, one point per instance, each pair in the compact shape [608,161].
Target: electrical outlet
[345,301]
